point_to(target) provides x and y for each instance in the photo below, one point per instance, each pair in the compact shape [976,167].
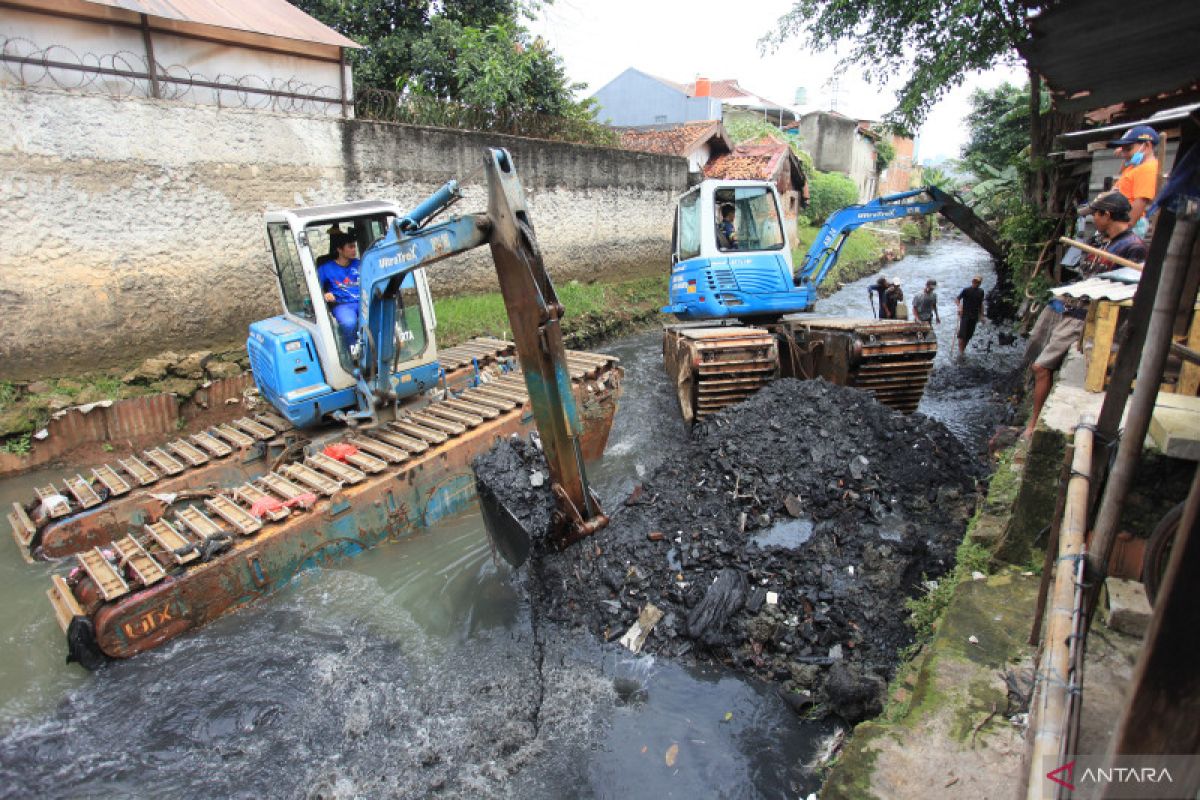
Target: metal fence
[127,74]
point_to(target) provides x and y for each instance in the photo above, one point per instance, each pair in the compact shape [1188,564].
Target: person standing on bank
[970,311]
[925,304]
[339,284]
[1110,214]
[1138,180]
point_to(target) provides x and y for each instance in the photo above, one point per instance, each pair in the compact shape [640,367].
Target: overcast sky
[682,39]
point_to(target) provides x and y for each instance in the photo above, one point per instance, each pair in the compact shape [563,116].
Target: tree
[936,44]
[998,124]
[470,51]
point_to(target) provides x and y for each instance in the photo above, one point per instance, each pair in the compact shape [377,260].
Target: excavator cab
[302,363]
[731,254]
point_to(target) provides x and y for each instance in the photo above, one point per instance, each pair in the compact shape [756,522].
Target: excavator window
[289,272]
[756,221]
[410,324]
[688,226]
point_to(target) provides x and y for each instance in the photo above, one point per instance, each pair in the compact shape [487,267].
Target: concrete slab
[1175,426]
[1126,608]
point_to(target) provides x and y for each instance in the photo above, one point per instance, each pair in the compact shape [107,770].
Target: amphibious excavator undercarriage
[745,315]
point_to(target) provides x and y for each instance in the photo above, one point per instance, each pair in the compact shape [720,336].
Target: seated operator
[726,234]
[339,284]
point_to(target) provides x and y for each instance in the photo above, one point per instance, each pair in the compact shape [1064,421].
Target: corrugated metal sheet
[268,17]
[1097,288]
[1095,53]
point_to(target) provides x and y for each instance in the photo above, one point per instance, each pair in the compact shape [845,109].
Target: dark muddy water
[417,668]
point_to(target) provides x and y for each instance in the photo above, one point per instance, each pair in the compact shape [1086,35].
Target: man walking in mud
[970,311]
[925,305]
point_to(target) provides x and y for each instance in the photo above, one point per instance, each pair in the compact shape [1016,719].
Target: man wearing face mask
[1138,180]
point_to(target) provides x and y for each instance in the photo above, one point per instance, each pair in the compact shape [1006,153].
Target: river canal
[416,669]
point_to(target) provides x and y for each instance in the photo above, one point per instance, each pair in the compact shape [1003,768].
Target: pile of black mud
[783,540]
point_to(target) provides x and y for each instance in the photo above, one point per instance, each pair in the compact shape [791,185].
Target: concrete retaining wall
[133,226]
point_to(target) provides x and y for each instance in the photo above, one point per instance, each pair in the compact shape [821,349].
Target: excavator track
[891,359]
[716,366]
[137,560]
[180,460]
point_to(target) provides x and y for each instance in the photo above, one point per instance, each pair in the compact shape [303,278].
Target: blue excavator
[307,370]
[745,312]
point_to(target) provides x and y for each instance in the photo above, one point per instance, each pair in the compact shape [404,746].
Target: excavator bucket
[507,534]
[534,314]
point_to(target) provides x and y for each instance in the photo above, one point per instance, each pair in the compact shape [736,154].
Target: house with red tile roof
[765,159]
[635,98]
[698,142]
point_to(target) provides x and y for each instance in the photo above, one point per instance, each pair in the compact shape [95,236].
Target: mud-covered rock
[783,539]
[152,369]
[192,365]
[222,369]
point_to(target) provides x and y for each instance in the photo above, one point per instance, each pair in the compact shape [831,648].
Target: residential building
[698,142]
[838,143]
[765,159]
[635,98]
[899,174]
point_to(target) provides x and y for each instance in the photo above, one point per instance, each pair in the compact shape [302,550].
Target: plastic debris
[635,637]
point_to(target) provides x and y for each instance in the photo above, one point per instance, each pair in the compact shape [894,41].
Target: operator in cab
[339,284]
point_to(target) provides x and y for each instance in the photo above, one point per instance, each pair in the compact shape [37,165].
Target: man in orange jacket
[1138,179]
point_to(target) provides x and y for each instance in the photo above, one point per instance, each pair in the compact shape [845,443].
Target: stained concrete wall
[134,226]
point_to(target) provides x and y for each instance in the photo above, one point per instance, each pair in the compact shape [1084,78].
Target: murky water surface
[418,668]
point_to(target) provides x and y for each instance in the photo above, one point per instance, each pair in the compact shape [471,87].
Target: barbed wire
[127,74]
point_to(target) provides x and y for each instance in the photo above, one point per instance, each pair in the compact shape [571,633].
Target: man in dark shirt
[970,311]
[880,287]
[1110,213]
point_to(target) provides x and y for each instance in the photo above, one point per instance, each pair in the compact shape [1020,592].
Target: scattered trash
[973,639]
[635,637]
[772,598]
[672,754]
[536,479]
[978,576]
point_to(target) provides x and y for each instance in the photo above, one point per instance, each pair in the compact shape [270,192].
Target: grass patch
[927,609]
[463,316]
[860,254]
[18,445]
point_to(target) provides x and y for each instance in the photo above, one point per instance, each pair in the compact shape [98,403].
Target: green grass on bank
[860,255]
[463,316]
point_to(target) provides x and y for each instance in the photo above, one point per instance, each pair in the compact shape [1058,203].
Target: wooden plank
[147,570]
[444,411]
[63,601]
[249,494]
[280,486]
[177,547]
[366,462]
[198,522]
[110,480]
[427,420]
[388,452]
[242,520]
[335,469]
[55,501]
[163,462]
[481,411]
[187,451]
[1097,362]
[233,436]
[82,490]
[499,404]
[138,471]
[418,432]
[212,445]
[273,421]
[397,439]
[108,581]
[22,526]
[314,480]
[255,429]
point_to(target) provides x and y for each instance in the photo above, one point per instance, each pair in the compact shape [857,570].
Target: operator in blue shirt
[339,284]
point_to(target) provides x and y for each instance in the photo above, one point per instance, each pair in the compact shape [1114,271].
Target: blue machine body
[747,284]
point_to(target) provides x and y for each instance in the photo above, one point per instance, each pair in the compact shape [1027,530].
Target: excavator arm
[828,245]
[534,315]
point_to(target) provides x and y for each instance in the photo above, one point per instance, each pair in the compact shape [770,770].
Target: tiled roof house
[768,160]
[698,142]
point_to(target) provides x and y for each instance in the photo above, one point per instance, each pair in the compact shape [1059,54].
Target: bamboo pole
[1141,407]
[1103,254]
[1050,705]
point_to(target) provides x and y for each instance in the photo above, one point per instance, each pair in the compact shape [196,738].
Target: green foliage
[470,51]
[828,192]
[935,176]
[8,394]
[18,445]
[927,609]
[885,152]
[910,231]
[936,45]
[745,127]
[999,127]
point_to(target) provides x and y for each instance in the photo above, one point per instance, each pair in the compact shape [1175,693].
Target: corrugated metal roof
[268,17]
[1094,53]
[1097,288]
